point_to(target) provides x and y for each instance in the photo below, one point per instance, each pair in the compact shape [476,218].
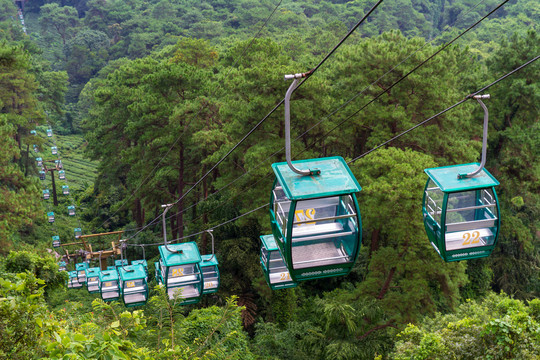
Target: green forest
[110,110]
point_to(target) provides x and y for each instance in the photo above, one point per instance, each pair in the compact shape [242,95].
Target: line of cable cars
[128,283]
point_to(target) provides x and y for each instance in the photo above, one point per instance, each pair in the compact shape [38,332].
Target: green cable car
[50,216]
[460,207]
[46,194]
[65,189]
[110,267]
[133,282]
[62,175]
[109,286]
[77,232]
[49,132]
[58,164]
[210,272]
[179,270]
[81,271]
[120,263]
[314,212]
[73,282]
[62,266]
[92,279]
[32,132]
[275,271]
[42,175]
[54,150]
[56,241]
[71,210]
[39,162]
[461,216]
[35,147]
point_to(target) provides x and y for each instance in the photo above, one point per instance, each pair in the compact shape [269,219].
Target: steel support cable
[308,75]
[407,75]
[194,117]
[364,154]
[447,109]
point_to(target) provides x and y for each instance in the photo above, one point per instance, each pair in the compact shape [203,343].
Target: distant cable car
[54,150]
[210,270]
[49,132]
[179,270]
[71,210]
[46,194]
[39,162]
[133,280]
[73,283]
[42,175]
[77,232]
[108,285]
[81,271]
[119,263]
[36,149]
[314,212]
[62,175]
[58,164]
[274,268]
[110,267]
[50,216]
[92,279]
[56,241]
[143,263]
[461,209]
[32,132]
[62,266]
[65,189]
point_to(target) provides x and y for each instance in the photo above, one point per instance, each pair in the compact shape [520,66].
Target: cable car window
[434,201]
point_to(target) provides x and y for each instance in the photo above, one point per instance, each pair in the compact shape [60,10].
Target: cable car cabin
[273,266]
[143,263]
[180,271]
[46,194]
[210,272]
[133,281]
[108,285]
[32,132]
[36,149]
[119,263]
[62,175]
[81,271]
[92,279]
[50,216]
[39,162]
[65,189]
[62,266]
[58,164]
[315,219]
[73,283]
[56,241]
[49,132]
[110,267]
[71,210]
[77,232]
[461,216]
[42,175]
[157,274]
[54,150]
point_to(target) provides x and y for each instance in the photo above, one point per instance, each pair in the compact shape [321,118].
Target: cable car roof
[108,275]
[269,242]
[446,178]
[93,271]
[335,178]
[137,273]
[189,254]
[209,260]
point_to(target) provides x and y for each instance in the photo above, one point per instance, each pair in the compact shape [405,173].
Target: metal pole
[167,207]
[295,78]
[122,245]
[484,139]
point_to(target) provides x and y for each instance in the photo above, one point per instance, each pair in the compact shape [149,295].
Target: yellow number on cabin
[130,284]
[309,214]
[468,239]
[284,276]
[177,272]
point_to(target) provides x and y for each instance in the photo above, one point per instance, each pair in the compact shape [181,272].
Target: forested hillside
[121,107]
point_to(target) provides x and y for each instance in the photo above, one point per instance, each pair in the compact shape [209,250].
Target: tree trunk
[138,213]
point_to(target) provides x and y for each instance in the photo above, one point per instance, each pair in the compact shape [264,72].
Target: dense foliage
[145,97]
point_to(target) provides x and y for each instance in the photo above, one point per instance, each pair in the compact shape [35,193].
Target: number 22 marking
[468,239]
